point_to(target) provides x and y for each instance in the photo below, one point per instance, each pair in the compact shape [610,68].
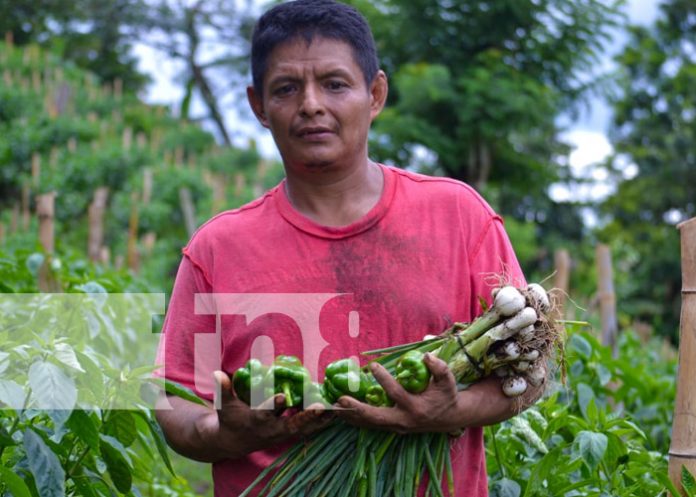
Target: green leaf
[66,354]
[121,426]
[174,388]
[14,483]
[580,345]
[159,439]
[117,463]
[84,427]
[44,465]
[51,388]
[688,481]
[591,446]
[12,394]
[506,488]
[585,396]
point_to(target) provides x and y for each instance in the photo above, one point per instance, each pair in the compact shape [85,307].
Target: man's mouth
[313,133]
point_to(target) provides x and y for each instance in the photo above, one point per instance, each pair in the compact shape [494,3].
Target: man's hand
[206,434]
[241,428]
[433,410]
[440,408]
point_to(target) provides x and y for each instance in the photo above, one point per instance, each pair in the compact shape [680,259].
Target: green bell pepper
[249,377]
[344,377]
[376,396]
[412,373]
[289,377]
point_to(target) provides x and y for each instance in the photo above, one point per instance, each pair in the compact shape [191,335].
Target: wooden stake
[53,158]
[147,185]
[682,450]
[219,188]
[188,209]
[561,280]
[95,215]
[148,241]
[26,213]
[127,138]
[118,88]
[14,218]
[133,257]
[9,39]
[45,212]
[606,296]
[2,233]
[36,80]
[239,184]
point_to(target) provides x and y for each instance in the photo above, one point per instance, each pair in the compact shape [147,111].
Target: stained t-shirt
[417,262]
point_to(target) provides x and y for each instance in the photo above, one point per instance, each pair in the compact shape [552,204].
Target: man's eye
[284,90]
[336,85]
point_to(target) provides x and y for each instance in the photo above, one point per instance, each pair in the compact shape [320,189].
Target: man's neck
[336,199]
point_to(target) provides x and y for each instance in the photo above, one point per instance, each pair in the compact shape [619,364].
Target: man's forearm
[484,403]
[192,430]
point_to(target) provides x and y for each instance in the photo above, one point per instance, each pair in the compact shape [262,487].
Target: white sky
[587,133]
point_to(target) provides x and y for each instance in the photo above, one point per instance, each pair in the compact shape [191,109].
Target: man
[402,255]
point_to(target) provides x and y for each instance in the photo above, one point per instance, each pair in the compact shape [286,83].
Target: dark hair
[307,19]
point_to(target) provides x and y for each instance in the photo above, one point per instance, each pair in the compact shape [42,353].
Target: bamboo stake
[561,280]
[606,296]
[45,208]
[133,257]
[147,185]
[127,138]
[95,214]
[239,184]
[2,233]
[188,209]
[26,213]
[219,199]
[9,39]
[14,218]
[682,450]
[53,158]
[118,88]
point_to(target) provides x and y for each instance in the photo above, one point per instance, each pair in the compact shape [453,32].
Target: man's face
[317,105]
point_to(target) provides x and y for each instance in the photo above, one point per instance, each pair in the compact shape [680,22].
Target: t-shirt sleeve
[492,261]
[178,343]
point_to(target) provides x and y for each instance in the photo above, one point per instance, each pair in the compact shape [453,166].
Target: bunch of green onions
[512,339]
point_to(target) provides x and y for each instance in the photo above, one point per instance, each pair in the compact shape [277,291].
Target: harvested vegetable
[513,339]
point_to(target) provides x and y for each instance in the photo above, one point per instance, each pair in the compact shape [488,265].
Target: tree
[207,36]
[94,34]
[654,132]
[477,85]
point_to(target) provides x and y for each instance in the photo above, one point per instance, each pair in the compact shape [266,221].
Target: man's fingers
[438,368]
[224,385]
[272,406]
[392,388]
[360,414]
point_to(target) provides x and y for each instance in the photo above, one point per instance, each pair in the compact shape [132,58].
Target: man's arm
[209,435]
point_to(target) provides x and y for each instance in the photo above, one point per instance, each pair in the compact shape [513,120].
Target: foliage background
[477,91]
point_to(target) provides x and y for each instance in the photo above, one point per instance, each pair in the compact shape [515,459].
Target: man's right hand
[235,429]
[245,429]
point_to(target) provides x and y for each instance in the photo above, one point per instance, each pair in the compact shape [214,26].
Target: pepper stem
[287,391]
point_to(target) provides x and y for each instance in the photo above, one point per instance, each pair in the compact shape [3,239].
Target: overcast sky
[587,133]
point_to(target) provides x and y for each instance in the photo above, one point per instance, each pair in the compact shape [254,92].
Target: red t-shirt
[416,263]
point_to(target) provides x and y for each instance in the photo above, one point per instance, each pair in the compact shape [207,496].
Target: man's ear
[256,104]
[379,89]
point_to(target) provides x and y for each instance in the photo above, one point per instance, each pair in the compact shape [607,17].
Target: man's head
[308,19]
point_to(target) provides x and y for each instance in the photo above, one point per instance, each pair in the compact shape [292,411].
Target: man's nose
[312,102]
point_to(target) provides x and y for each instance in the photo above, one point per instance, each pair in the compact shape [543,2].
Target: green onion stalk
[513,339]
